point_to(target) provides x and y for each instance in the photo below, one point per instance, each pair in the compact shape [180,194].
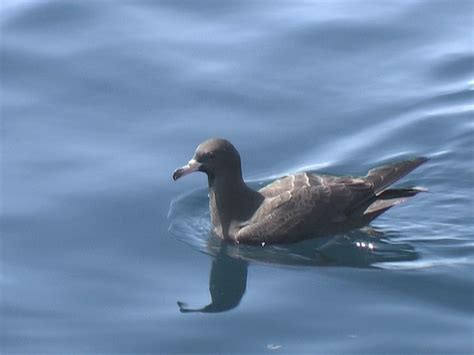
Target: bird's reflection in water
[189,222]
[227,284]
[228,276]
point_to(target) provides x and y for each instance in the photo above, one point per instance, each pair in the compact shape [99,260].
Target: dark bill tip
[177,174]
[190,167]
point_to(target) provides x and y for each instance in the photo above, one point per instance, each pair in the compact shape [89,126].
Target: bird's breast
[215,216]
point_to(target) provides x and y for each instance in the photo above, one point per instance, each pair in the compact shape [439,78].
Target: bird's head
[216,157]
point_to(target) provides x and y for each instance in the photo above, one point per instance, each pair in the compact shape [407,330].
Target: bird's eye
[211,155]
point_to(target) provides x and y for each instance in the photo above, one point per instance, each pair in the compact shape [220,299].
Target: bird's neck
[230,201]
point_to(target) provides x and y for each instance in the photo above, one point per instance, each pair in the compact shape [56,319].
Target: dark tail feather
[389,198]
[385,176]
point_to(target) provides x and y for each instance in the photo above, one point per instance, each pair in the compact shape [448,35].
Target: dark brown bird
[297,206]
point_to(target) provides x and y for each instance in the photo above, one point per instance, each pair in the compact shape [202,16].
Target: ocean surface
[101,252]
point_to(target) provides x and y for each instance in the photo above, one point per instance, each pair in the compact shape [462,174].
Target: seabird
[295,207]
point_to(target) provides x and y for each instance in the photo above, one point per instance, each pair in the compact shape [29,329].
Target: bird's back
[306,205]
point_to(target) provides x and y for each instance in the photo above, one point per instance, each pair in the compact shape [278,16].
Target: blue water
[102,100]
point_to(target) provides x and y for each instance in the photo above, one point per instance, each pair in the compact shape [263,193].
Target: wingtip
[422,159]
[419,161]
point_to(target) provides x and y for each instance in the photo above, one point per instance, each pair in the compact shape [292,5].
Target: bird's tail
[389,198]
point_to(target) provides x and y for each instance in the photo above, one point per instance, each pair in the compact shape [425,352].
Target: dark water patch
[343,36]
[208,8]
[454,66]
[50,17]
[33,72]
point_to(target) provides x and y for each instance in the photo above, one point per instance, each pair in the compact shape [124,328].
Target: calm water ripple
[101,100]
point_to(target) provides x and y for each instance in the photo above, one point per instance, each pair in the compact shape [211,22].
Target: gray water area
[101,100]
